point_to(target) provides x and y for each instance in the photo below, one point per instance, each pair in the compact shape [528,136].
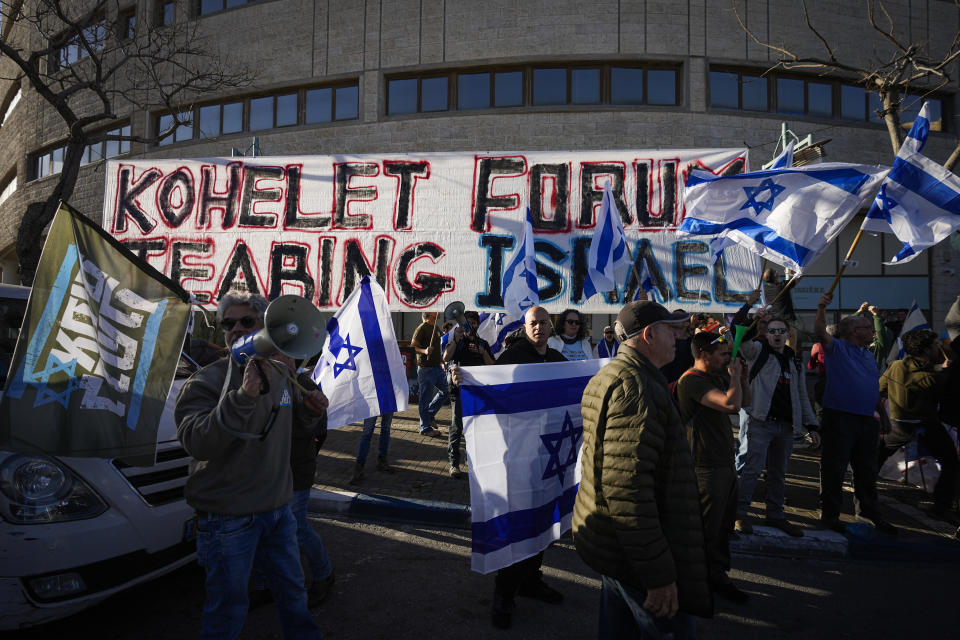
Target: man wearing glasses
[237,422]
[849,431]
[779,408]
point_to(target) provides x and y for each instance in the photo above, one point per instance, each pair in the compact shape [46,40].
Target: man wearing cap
[607,348]
[430,375]
[637,516]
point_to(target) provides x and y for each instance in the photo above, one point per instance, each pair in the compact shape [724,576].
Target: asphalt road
[408,581]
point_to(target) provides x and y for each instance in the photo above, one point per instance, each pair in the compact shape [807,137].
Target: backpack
[762,360]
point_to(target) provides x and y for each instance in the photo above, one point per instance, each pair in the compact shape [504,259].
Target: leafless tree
[86,62]
[902,69]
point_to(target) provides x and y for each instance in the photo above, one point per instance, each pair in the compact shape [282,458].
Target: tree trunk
[892,119]
[39,214]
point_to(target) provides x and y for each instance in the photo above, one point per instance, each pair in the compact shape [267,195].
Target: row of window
[533,86]
[7,188]
[814,97]
[51,162]
[304,106]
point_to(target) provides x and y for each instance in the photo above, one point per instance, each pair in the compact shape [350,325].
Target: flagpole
[780,293]
[846,260]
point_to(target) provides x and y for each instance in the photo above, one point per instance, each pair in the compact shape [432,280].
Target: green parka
[637,515]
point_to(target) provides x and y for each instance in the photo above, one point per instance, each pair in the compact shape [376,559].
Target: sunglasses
[246,322]
[573,321]
[776,332]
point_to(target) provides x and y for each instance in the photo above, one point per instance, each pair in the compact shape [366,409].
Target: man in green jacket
[637,517]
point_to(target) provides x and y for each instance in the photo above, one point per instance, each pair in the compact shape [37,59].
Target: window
[213,6]
[585,86]
[402,96]
[662,86]
[473,91]
[508,89]
[7,188]
[166,12]
[11,105]
[549,86]
[626,86]
[261,113]
[50,162]
[434,95]
[127,24]
[73,47]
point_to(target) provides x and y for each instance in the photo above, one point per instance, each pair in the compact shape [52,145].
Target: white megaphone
[291,325]
[454,313]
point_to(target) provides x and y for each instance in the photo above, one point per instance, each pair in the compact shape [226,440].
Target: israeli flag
[520,287]
[787,216]
[785,159]
[609,259]
[495,327]
[919,202]
[360,368]
[523,431]
[912,322]
[646,282]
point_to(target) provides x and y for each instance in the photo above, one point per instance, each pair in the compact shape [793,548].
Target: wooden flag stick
[843,265]
[787,288]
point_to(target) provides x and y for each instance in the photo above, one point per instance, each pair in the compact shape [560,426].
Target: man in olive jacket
[637,516]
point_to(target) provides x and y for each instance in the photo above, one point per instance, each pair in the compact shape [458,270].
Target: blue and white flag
[495,327]
[919,202]
[646,282]
[523,433]
[609,259]
[360,369]
[787,216]
[785,159]
[520,287]
[912,322]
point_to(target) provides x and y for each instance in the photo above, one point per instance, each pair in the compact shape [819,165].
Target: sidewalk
[421,491]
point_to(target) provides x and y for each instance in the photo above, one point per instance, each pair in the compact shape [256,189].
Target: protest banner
[430,228]
[97,352]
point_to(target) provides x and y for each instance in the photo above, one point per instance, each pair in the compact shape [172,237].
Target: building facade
[375,76]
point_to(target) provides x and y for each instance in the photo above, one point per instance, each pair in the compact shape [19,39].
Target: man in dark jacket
[637,516]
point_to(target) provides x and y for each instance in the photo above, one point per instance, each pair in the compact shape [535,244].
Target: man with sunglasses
[779,409]
[237,422]
[849,431]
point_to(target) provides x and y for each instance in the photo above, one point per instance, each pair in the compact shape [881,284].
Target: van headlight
[39,490]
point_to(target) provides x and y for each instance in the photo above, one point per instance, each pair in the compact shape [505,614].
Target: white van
[74,531]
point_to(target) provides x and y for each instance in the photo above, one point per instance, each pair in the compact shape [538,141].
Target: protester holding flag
[570,336]
[430,375]
[849,432]
[237,423]
[637,518]
[915,391]
[607,348]
[713,389]
[466,349]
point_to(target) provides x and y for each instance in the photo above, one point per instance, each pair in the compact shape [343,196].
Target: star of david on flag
[523,432]
[520,287]
[919,202]
[360,369]
[786,215]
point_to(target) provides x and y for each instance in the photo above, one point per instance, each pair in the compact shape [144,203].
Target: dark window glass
[508,89]
[319,105]
[164,124]
[402,96]
[43,163]
[167,12]
[209,6]
[789,95]
[56,166]
[936,114]
[753,92]
[85,155]
[184,131]
[233,117]
[724,90]
[434,96]
[235,3]
[875,105]
[209,125]
[852,102]
[348,99]
[261,113]
[95,152]
[125,144]
[549,86]
[287,110]
[820,99]
[473,91]
[585,86]
[626,86]
[113,148]
[661,86]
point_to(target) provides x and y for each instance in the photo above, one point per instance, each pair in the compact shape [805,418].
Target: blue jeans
[226,549]
[763,443]
[368,424]
[310,542]
[622,616]
[428,379]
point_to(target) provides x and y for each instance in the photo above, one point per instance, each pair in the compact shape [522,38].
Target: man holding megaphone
[236,421]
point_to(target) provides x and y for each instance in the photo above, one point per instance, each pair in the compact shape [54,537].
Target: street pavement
[422,491]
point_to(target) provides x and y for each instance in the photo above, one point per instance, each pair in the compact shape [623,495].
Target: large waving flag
[912,322]
[919,202]
[360,369]
[787,216]
[98,349]
[609,259]
[524,431]
[520,287]
[495,327]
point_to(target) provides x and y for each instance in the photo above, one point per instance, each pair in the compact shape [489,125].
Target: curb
[769,541]
[412,510]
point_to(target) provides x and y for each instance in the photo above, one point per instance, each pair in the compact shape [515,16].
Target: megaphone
[291,325]
[454,313]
